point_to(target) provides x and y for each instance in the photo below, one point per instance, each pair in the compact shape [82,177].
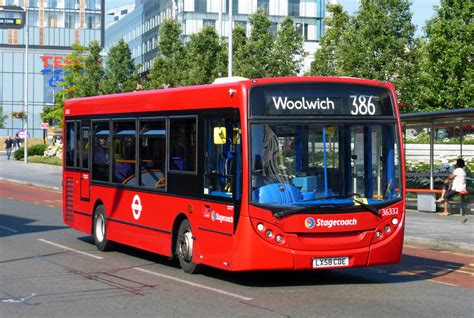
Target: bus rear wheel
[99,229]
[184,248]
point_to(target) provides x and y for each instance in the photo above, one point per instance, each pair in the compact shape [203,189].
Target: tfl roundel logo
[309,223]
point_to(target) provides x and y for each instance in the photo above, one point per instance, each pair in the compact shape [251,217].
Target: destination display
[320,100]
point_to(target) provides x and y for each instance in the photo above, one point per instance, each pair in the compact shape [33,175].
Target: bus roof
[211,96]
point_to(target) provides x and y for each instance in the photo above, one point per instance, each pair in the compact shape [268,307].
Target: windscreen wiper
[368,207]
[282,213]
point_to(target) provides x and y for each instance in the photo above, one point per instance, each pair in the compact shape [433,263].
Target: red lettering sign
[58,61]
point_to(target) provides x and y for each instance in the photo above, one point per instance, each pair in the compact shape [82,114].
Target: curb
[38,185]
[440,245]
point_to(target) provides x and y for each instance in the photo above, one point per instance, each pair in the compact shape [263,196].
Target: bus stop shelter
[433,142]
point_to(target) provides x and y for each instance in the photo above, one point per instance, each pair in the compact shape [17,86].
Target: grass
[46,160]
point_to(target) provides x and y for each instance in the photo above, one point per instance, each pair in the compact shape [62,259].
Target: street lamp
[25,154]
[229,68]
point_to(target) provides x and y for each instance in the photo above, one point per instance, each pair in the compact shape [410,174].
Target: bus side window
[152,152]
[123,141]
[183,148]
[101,151]
[70,143]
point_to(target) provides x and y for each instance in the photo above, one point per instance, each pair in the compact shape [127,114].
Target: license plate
[342,261]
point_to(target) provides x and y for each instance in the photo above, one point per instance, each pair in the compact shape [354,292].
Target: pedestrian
[16,143]
[453,184]
[8,146]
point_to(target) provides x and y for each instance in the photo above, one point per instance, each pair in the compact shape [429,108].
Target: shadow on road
[14,225]
[411,268]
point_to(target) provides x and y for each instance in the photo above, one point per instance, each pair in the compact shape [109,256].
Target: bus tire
[184,248]
[99,229]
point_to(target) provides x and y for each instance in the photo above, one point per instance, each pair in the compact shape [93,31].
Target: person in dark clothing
[16,142]
[8,146]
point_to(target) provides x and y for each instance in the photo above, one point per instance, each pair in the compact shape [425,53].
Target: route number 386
[362,105]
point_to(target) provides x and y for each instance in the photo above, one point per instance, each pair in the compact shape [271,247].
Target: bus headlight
[394,221]
[260,227]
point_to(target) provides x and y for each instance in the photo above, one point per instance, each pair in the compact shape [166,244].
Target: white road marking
[70,249]
[220,291]
[17,300]
[8,229]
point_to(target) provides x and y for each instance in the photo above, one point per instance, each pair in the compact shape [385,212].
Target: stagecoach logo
[136,207]
[221,218]
[330,223]
[309,223]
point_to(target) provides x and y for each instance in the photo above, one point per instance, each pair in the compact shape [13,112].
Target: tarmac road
[50,270]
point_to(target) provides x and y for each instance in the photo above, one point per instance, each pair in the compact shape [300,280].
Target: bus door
[85,162]
[222,187]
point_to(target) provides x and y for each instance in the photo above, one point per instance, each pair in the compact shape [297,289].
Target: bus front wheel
[184,248]
[100,230]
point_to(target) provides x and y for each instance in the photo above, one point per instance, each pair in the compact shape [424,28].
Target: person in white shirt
[454,184]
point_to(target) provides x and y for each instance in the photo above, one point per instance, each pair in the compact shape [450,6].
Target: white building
[140,27]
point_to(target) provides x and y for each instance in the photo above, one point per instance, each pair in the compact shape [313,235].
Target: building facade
[140,28]
[53,26]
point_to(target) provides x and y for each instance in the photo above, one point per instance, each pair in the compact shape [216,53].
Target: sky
[422,9]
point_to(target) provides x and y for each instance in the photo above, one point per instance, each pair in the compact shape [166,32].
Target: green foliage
[35,150]
[169,68]
[204,52]
[449,56]
[287,52]
[46,160]
[70,87]
[89,83]
[240,53]
[3,121]
[258,50]
[121,74]
[325,59]
[378,43]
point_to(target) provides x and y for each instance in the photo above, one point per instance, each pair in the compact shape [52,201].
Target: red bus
[268,174]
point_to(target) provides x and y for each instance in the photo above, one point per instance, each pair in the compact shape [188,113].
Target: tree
[74,71]
[325,59]
[379,43]
[121,74]
[239,51]
[89,83]
[449,56]
[288,52]
[203,52]
[169,68]
[259,46]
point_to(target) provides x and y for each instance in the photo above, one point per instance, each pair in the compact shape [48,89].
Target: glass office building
[53,26]
[140,27]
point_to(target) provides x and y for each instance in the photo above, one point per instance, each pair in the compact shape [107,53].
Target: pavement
[430,230]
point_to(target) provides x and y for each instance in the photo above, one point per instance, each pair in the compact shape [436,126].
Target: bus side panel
[139,219]
[251,252]
[76,212]
[213,229]
[388,251]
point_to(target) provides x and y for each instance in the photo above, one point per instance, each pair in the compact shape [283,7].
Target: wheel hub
[186,246]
